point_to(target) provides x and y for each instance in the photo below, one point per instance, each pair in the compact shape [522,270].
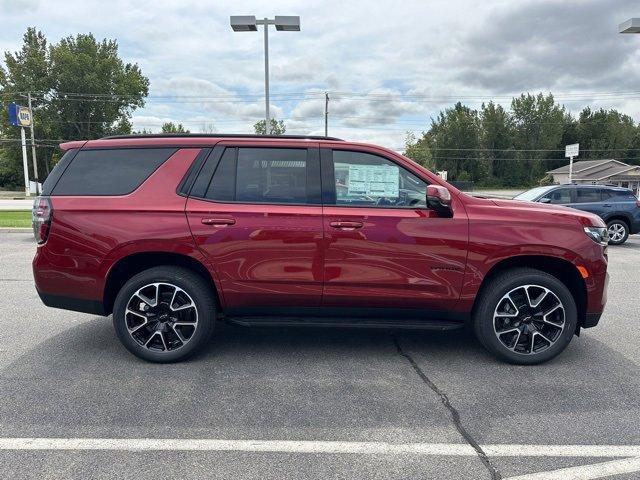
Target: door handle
[346,225]
[607,205]
[218,222]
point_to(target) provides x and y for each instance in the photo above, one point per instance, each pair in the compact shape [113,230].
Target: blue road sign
[19,116]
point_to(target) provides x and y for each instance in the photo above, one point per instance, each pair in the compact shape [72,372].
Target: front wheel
[618,232]
[164,314]
[525,316]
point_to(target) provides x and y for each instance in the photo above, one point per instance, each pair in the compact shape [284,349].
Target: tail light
[41,218]
[638,203]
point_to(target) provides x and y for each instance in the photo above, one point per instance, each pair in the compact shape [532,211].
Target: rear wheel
[164,314]
[618,231]
[525,316]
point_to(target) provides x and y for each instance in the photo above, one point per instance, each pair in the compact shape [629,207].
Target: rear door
[384,247]
[590,200]
[256,212]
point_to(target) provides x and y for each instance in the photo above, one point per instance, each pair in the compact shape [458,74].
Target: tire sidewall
[626,231]
[195,288]
[483,319]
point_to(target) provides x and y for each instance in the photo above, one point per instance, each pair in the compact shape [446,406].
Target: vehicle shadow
[285,382]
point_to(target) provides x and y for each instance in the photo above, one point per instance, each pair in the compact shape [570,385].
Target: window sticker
[373,180]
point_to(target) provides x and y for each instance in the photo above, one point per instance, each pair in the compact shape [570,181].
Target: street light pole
[630,26]
[267,117]
[248,23]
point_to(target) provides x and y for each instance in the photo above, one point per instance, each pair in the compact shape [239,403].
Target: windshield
[532,194]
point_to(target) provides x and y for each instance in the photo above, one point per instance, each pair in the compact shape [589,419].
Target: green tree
[81,89]
[170,127]
[418,150]
[496,138]
[277,127]
[539,126]
[607,133]
[454,139]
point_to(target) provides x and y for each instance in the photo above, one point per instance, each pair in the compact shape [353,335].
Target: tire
[164,314]
[528,337]
[618,229]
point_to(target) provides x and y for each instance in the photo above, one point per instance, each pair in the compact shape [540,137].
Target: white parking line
[309,446]
[586,472]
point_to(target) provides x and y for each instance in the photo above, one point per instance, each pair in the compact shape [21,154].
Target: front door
[255,212]
[383,246]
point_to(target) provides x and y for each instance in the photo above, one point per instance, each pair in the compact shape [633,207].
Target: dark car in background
[617,206]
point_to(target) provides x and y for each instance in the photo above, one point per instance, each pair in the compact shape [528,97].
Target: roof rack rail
[220,135]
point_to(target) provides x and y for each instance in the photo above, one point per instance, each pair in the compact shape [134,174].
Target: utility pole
[326,114]
[33,149]
[24,162]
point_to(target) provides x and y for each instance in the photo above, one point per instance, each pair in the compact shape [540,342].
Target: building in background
[598,172]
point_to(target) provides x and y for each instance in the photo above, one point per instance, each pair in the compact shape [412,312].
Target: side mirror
[545,200]
[439,200]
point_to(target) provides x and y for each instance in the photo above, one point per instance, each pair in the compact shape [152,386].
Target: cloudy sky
[388,66]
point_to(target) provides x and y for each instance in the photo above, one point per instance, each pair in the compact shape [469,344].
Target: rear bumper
[67,282]
[83,305]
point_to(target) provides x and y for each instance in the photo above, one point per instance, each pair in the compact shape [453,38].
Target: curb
[15,230]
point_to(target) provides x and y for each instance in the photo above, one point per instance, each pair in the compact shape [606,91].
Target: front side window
[260,175]
[364,179]
[560,196]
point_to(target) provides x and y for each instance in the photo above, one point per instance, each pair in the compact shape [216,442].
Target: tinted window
[110,172]
[222,186]
[273,175]
[57,171]
[587,195]
[261,175]
[559,196]
[369,180]
[618,195]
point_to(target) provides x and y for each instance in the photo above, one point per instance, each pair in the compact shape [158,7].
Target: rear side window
[57,171]
[110,172]
[587,195]
[618,195]
[261,175]
[223,184]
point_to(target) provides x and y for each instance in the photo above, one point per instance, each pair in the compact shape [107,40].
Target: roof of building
[586,165]
[608,171]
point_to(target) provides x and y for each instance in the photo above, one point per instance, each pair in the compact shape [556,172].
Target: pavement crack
[455,415]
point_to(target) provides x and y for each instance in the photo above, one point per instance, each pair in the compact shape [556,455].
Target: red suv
[171,234]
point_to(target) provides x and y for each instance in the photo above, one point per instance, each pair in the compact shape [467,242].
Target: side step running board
[405,323]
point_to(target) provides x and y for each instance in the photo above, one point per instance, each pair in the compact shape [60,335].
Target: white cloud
[437,51]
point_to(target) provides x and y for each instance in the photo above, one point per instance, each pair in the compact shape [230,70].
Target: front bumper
[591,320]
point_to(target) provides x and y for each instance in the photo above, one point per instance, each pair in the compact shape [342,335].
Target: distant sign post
[21,117]
[571,151]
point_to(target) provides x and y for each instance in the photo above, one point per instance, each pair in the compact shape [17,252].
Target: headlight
[598,234]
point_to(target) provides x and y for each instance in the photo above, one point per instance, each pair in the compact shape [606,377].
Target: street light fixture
[248,23]
[630,26]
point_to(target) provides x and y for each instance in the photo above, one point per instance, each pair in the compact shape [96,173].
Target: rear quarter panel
[89,234]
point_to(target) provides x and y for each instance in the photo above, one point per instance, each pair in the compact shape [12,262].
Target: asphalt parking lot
[313,403]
